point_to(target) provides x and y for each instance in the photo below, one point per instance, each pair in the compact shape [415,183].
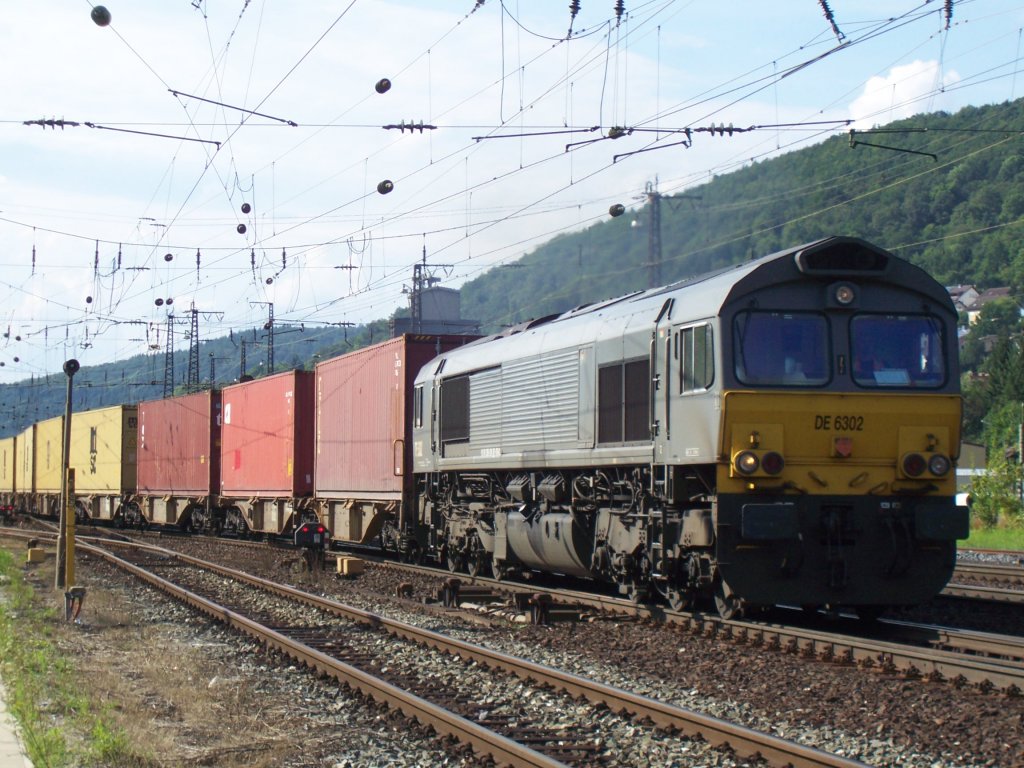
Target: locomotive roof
[699,297]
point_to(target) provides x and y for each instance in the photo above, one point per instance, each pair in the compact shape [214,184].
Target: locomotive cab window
[897,351]
[781,349]
[624,402]
[693,349]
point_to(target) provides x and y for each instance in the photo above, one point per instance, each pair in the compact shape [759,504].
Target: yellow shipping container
[103,450]
[8,466]
[25,475]
[49,453]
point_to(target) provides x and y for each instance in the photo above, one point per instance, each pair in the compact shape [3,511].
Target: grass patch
[59,725]
[994,538]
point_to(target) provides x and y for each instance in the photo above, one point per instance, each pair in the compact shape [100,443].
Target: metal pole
[70,368]
[69,508]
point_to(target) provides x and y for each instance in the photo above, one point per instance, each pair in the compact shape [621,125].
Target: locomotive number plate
[839,422]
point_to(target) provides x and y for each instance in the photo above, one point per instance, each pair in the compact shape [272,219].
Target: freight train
[780,431]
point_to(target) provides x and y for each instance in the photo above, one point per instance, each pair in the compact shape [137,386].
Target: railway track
[985,660]
[990,662]
[992,582]
[512,740]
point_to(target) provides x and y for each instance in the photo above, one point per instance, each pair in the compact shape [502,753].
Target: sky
[299,157]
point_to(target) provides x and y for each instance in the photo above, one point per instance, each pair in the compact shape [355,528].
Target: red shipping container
[267,436]
[364,417]
[179,445]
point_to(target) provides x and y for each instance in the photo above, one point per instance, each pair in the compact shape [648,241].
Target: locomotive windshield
[897,351]
[781,348]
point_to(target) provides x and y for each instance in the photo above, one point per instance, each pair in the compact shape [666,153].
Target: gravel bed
[993,558]
[195,693]
[494,694]
[866,715]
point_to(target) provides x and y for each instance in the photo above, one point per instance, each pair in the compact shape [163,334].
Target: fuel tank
[551,542]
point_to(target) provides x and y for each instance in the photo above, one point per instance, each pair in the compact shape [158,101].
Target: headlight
[845,295]
[772,463]
[914,465]
[746,463]
[939,464]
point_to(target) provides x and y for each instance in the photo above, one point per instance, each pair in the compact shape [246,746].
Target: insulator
[100,15]
[385,186]
[383,85]
[620,8]
[241,229]
[574,8]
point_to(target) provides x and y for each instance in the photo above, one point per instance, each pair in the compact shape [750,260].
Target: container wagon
[365,410]
[103,455]
[8,469]
[43,462]
[266,464]
[179,460]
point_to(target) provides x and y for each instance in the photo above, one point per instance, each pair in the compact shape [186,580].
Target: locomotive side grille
[541,401]
[485,407]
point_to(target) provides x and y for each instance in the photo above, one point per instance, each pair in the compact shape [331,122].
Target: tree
[997,493]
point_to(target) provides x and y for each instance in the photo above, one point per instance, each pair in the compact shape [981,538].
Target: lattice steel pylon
[269,328]
[193,352]
[169,358]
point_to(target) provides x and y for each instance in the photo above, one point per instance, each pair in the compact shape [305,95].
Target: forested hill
[955,210]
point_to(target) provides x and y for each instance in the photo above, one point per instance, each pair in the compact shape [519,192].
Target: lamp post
[70,368]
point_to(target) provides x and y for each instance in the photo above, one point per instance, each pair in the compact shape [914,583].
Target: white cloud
[908,89]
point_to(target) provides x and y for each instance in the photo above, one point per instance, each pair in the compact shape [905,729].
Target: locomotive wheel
[453,558]
[476,562]
[498,569]
[726,603]
[413,554]
[637,593]
[678,599]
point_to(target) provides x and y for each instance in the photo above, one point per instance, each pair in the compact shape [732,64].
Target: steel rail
[990,594]
[1004,673]
[744,741]
[501,749]
[990,572]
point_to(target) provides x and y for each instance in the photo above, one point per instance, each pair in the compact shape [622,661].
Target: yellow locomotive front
[840,428]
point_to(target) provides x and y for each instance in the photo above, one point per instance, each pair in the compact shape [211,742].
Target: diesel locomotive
[781,431]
